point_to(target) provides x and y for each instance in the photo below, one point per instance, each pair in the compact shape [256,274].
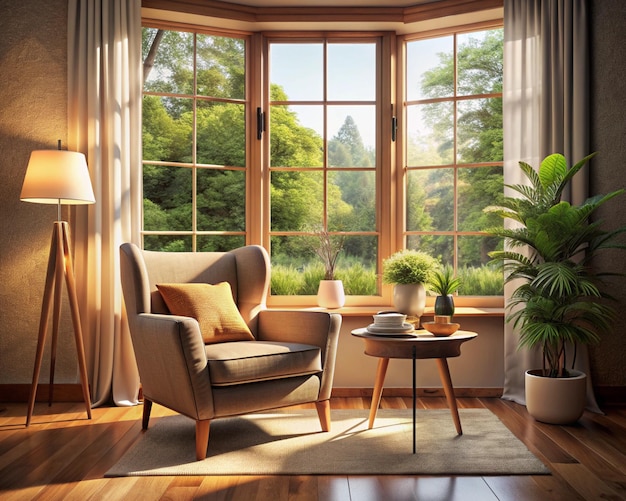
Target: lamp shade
[57,177]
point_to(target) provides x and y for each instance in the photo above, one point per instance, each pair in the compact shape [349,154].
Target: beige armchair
[288,360]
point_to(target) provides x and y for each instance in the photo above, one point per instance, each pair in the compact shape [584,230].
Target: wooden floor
[62,455]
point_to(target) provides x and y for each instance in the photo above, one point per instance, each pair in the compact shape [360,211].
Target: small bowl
[439,329]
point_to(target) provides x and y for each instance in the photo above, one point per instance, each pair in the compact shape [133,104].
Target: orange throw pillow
[212,306]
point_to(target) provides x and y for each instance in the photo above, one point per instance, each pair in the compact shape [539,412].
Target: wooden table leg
[414,353]
[383,363]
[444,374]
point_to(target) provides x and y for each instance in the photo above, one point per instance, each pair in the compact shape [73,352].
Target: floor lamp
[58,177]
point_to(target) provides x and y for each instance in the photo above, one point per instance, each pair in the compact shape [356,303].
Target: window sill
[366,311]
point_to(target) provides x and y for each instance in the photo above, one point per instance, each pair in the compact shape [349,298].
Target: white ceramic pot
[409,299]
[556,400]
[330,294]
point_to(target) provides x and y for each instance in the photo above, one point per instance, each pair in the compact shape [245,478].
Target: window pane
[441,247]
[221,200]
[296,136]
[292,250]
[359,250]
[167,198]
[167,243]
[352,132]
[296,200]
[478,188]
[474,249]
[167,130]
[221,66]
[480,62]
[172,70]
[430,68]
[451,128]
[352,201]
[479,278]
[221,136]
[430,200]
[479,130]
[315,140]
[219,243]
[297,270]
[297,82]
[430,134]
[351,72]
[357,266]
[197,130]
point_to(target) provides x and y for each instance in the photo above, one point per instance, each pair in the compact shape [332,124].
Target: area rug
[291,443]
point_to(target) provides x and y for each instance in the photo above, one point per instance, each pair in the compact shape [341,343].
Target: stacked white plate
[390,323]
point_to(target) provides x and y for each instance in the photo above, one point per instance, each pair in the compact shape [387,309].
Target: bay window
[369,142]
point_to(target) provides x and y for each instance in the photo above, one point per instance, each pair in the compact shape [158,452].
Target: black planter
[444,305]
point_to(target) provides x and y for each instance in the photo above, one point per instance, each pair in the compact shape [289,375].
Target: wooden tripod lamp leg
[43,321]
[78,332]
[56,312]
[59,265]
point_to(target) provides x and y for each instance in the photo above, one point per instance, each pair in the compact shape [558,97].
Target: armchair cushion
[212,306]
[243,362]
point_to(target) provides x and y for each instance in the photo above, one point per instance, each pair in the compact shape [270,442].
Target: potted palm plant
[559,303]
[444,284]
[409,271]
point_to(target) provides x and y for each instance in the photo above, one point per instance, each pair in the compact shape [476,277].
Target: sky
[298,68]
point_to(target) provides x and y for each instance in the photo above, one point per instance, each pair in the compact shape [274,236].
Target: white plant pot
[556,400]
[330,294]
[409,299]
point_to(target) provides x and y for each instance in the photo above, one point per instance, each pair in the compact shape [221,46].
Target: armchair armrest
[172,362]
[317,328]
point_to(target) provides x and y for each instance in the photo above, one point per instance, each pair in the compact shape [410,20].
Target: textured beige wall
[33,115]
[608,170]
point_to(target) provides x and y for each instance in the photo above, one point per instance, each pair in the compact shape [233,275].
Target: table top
[421,335]
[426,344]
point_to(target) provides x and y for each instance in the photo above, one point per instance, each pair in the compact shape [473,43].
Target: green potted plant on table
[444,284]
[559,302]
[409,271]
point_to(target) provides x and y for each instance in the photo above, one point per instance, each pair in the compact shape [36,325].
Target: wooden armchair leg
[202,438]
[147,407]
[323,412]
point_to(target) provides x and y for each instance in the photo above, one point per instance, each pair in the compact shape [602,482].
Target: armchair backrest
[247,269]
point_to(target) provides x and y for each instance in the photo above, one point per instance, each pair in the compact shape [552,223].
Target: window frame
[194,165]
[390,176]
[385,44]
[402,171]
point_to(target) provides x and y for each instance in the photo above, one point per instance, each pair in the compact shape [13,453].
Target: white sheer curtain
[104,105]
[546,110]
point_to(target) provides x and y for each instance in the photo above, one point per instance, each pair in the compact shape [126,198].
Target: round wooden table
[419,344]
